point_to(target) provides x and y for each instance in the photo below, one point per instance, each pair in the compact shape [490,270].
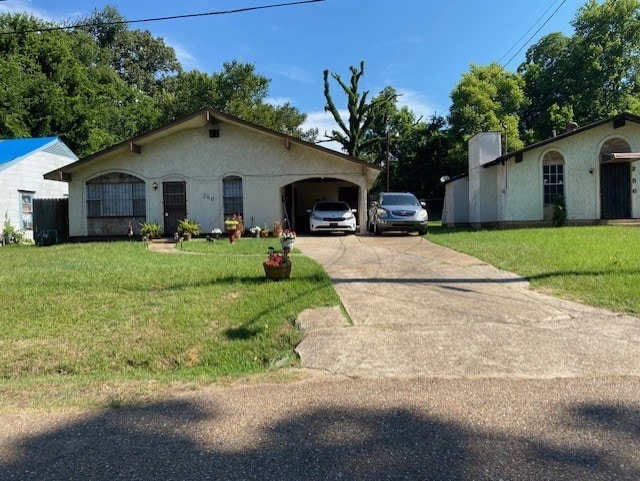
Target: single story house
[23,163]
[206,167]
[593,167]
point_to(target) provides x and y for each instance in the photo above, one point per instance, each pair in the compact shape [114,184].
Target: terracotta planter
[277,233]
[238,233]
[264,233]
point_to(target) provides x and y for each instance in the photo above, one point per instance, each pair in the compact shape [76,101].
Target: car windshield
[399,199]
[331,206]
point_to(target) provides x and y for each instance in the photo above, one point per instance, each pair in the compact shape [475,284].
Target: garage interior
[300,197]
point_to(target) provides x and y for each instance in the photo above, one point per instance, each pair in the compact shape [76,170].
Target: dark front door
[174,196]
[615,187]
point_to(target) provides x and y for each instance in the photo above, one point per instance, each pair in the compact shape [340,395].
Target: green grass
[597,265]
[82,314]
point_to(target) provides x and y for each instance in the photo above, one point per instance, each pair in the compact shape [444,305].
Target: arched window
[552,176]
[232,195]
[614,146]
[116,195]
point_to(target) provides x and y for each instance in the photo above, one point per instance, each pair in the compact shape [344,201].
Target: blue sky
[419,47]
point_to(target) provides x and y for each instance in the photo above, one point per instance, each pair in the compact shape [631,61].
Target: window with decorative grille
[232,195]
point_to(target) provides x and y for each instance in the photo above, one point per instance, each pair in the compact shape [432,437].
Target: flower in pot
[255,231]
[188,228]
[277,229]
[287,239]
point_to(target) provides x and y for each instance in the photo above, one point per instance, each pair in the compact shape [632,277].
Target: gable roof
[618,121]
[15,149]
[200,118]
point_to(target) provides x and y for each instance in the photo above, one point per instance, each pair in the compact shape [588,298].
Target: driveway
[416,308]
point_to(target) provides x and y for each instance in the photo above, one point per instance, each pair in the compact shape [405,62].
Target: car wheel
[422,230]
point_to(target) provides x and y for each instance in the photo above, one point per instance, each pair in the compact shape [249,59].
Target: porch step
[625,222]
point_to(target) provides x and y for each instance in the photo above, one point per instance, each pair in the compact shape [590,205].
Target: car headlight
[422,214]
[315,216]
[348,216]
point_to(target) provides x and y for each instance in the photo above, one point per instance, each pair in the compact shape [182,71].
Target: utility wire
[530,28]
[534,33]
[159,19]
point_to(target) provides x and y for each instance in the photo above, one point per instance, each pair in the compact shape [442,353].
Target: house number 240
[208,197]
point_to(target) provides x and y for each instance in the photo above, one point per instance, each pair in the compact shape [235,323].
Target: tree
[589,76]
[547,88]
[486,99]
[237,90]
[140,59]
[361,114]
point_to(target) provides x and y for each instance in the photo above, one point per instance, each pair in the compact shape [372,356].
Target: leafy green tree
[237,90]
[353,137]
[140,59]
[488,98]
[588,76]
[546,87]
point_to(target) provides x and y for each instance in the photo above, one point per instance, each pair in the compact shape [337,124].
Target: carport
[300,196]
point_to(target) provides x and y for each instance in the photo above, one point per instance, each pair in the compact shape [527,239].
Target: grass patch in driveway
[114,311]
[596,265]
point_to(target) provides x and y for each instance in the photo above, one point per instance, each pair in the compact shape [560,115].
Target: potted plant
[231,226]
[188,228]
[277,266]
[255,231]
[277,229]
[265,231]
[287,239]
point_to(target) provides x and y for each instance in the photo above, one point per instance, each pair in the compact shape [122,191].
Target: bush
[559,212]
[151,229]
[187,226]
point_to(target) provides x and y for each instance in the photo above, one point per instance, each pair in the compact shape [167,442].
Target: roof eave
[615,119]
[208,115]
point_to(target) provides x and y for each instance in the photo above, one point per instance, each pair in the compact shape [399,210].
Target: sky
[421,48]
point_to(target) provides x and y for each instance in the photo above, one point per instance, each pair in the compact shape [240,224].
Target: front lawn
[598,265]
[115,311]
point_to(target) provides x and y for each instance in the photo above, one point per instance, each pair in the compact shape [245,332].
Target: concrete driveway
[416,308]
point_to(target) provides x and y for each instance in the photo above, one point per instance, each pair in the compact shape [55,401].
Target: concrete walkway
[417,308]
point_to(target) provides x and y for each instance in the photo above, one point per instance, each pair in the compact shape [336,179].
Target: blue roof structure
[14,149]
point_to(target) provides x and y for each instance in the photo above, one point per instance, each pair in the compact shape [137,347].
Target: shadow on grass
[186,440]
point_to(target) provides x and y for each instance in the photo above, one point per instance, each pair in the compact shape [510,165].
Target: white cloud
[291,72]
[417,102]
[325,123]
[186,58]
[278,101]
[25,6]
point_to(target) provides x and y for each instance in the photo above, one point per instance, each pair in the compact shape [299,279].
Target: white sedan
[332,216]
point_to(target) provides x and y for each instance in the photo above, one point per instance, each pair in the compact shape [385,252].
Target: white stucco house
[206,167]
[23,163]
[595,168]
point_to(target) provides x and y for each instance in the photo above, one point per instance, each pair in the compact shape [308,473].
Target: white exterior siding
[26,175]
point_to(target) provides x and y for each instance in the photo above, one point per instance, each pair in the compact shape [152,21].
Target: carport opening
[300,197]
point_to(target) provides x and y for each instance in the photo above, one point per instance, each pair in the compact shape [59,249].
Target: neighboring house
[593,167]
[23,163]
[206,167]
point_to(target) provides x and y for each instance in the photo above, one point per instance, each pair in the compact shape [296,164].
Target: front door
[174,196]
[615,187]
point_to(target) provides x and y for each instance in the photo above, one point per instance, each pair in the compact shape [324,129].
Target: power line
[159,19]
[535,33]
[530,28]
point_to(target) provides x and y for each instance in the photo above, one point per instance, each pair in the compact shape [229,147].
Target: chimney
[571,126]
